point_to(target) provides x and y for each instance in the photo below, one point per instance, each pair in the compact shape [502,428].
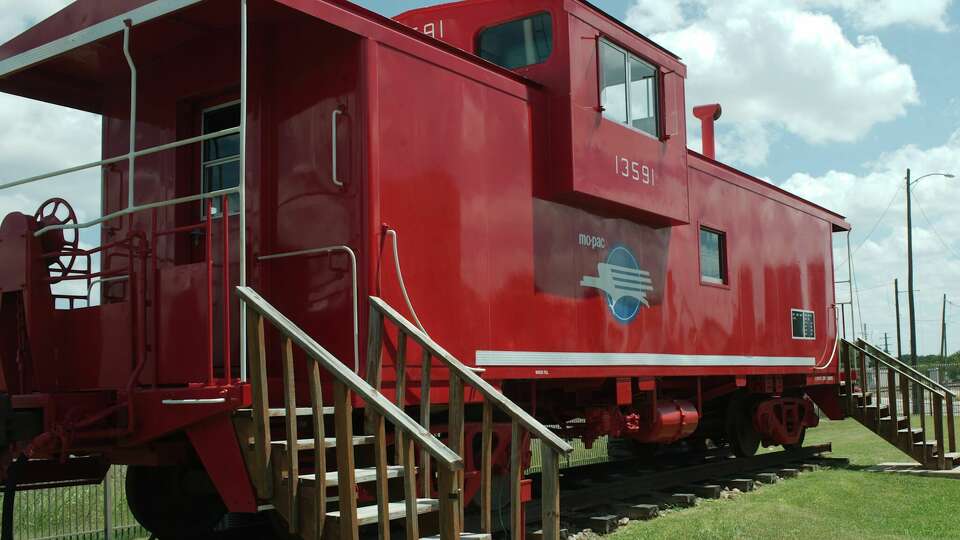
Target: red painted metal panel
[505,191]
[217,447]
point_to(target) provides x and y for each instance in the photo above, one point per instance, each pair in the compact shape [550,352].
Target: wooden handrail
[875,352]
[373,399]
[464,374]
[921,381]
[941,403]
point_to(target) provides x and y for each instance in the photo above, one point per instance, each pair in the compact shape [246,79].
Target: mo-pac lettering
[592,242]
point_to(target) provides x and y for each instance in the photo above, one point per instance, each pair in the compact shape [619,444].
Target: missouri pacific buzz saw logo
[623,282]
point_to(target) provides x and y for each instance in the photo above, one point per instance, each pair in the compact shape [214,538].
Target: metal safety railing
[86,512]
[355,294]
[126,24]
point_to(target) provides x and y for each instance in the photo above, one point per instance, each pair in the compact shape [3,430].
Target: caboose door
[313,191]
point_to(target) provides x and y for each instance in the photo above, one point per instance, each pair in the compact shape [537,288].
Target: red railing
[207,226]
[135,250]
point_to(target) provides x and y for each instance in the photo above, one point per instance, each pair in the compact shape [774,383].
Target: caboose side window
[803,324]
[628,89]
[713,256]
[220,161]
[518,43]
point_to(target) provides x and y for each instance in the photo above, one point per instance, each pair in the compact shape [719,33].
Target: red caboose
[454,164]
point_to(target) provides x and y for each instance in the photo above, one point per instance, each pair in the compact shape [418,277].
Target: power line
[934,229]
[872,229]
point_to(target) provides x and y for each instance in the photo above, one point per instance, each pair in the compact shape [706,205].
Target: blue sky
[831,99]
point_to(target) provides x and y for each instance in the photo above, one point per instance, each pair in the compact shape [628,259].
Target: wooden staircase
[420,483]
[898,406]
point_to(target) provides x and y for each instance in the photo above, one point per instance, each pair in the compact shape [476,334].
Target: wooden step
[329,442]
[360,476]
[859,396]
[901,421]
[463,536]
[367,515]
[281,412]
[924,451]
[914,433]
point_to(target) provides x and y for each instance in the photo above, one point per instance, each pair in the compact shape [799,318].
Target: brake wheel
[61,244]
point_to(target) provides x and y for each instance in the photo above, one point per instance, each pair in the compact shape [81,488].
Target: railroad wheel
[799,444]
[174,503]
[743,437]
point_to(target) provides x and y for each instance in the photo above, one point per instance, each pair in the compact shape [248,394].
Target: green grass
[74,512]
[828,504]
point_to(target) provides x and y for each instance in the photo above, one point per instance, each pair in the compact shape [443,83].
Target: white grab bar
[333,137]
[356,296]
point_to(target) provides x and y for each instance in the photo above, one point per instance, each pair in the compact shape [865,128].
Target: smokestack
[708,114]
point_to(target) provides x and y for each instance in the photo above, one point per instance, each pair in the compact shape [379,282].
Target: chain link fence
[97,512]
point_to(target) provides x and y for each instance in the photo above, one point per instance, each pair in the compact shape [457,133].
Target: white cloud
[17,15]
[650,16]
[881,257]
[40,138]
[875,14]
[774,65]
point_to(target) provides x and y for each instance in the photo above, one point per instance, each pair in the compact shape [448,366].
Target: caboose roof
[74,55]
[448,5]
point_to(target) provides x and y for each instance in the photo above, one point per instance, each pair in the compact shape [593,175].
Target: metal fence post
[107,506]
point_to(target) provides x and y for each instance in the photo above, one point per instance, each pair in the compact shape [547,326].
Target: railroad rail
[599,496]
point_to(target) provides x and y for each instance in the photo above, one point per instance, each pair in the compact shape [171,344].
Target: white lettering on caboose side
[636,171]
[592,242]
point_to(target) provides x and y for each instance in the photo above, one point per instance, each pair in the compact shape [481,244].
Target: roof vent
[708,114]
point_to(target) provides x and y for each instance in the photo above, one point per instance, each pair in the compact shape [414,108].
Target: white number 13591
[635,171]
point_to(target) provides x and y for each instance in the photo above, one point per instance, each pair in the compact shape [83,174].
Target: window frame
[214,162]
[803,311]
[553,35]
[724,282]
[658,85]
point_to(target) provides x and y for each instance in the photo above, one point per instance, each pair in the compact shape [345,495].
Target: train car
[453,163]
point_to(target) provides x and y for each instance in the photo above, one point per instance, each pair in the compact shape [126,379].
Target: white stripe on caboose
[572,359]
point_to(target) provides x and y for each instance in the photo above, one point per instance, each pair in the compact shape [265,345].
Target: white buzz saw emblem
[620,282]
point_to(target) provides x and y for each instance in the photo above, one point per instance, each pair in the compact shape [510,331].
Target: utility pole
[896,302]
[886,342]
[911,307]
[911,312]
[943,331]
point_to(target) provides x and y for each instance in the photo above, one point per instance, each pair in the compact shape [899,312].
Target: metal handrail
[142,207]
[336,113]
[906,366]
[338,369]
[123,157]
[921,381]
[356,294]
[532,425]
